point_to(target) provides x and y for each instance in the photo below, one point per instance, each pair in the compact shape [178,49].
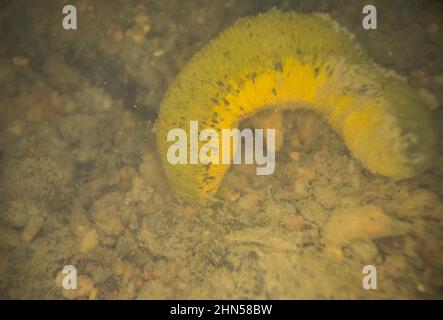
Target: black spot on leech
[316,70]
[278,67]
[299,52]
[241,108]
[214,100]
[226,53]
[220,83]
[226,102]
[274,92]
[330,72]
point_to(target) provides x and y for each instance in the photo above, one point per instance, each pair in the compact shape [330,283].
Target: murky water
[81,182]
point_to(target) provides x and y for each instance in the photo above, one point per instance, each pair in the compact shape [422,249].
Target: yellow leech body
[293,60]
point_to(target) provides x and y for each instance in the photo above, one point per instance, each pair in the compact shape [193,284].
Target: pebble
[309,127]
[360,222]
[292,222]
[313,211]
[271,120]
[295,156]
[301,187]
[16,128]
[307,173]
[326,196]
[249,200]
[114,33]
[230,195]
[85,287]
[190,210]
[140,191]
[128,120]
[89,241]
[20,61]
[36,113]
[106,212]
[159,52]
[32,228]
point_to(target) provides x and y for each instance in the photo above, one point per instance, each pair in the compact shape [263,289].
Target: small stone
[159,52]
[295,156]
[84,288]
[271,120]
[313,211]
[148,273]
[16,128]
[292,222]
[420,287]
[114,33]
[354,181]
[88,242]
[230,195]
[326,196]
[190,210]
[309,127]
[128,120]
[308,174]
[107,212]
[32,228]
[82,6]
[36,113]
[361,222]
[93,294]
[20,61]
[142,19]
[301,186]
[137,36]
[248,201]
[140,191]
